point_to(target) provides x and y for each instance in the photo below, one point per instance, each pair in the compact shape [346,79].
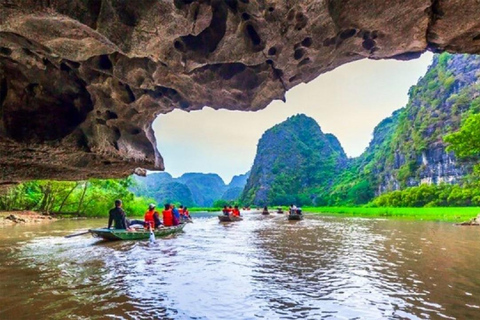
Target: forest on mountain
[422,155]
[292,158]
[190,189]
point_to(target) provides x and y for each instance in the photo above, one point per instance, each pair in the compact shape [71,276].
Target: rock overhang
[81,81]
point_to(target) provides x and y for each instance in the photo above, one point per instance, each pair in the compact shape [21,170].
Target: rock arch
[81,81]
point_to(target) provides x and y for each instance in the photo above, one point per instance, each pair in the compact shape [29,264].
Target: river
[261,268]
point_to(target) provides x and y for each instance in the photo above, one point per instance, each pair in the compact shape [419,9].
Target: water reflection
[262,267]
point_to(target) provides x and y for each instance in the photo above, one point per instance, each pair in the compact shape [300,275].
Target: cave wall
[81,81]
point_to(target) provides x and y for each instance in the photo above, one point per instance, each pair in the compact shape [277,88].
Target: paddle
[77,234]
[152,235]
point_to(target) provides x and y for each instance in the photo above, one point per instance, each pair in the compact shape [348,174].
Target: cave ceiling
[81,81]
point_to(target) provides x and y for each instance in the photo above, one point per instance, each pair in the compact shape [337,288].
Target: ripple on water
[262,267]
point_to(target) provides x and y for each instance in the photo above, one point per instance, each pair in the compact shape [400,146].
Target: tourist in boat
[293,209]
[176,215]
[230,210]
[186,213]
[225,211]
[167,216]
[152,219]
[236,211]
[265,210]
[117,216]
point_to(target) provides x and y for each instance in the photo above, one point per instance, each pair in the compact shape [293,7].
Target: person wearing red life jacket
[225,211]
[167,216]
[186,213]
[152,219]
[236,211]
[181,210]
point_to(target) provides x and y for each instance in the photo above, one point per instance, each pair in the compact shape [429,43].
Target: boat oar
[152,235]
[77,234]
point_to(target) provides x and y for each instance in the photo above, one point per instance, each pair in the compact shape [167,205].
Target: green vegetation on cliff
[191,189]
[295,163]
[407,163]
[408,151]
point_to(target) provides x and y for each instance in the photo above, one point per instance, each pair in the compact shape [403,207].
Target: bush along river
[262,267]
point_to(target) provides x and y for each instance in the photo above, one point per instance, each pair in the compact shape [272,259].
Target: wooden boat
[265,213]
[280,211]
[140,234]
[295,217]
[475,222]
[230,218]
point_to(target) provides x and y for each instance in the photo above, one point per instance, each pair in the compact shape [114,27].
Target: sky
[348,102]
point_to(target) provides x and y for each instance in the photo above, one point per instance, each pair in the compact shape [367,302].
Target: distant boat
[140,234]
[279,210]
[295,217]
[229,218]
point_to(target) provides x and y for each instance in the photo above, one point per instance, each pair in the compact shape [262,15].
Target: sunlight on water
[262,267]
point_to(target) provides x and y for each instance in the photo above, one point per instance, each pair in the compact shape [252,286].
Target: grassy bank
[450,214]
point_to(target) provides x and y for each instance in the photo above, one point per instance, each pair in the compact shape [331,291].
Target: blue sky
[348,102]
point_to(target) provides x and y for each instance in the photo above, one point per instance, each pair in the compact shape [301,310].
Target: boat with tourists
[229,218]
[138,234]
[473,222]
[294,216]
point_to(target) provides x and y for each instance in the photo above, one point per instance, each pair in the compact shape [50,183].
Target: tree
[466,141]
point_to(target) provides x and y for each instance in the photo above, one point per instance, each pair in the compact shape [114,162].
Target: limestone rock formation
[82,80]
[294,163]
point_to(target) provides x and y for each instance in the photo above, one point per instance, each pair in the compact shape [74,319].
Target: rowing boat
[295,217]
[224,218]
[140,234]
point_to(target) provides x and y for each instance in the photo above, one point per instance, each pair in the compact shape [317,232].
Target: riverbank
[447,214]
[9,218]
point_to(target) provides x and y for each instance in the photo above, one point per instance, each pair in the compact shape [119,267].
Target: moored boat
[229,218]
[140,234]
[295,217]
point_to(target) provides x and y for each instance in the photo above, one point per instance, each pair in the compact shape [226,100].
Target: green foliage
[451,214]
[295,161]
[84,198]
[446,94]
[466,141]
[221,203]
[443,195]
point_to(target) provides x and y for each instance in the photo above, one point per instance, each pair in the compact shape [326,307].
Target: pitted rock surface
[81,81]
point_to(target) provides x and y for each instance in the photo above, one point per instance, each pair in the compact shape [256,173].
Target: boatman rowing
[117,215]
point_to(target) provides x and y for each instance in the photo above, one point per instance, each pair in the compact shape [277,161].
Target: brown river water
[261,268]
